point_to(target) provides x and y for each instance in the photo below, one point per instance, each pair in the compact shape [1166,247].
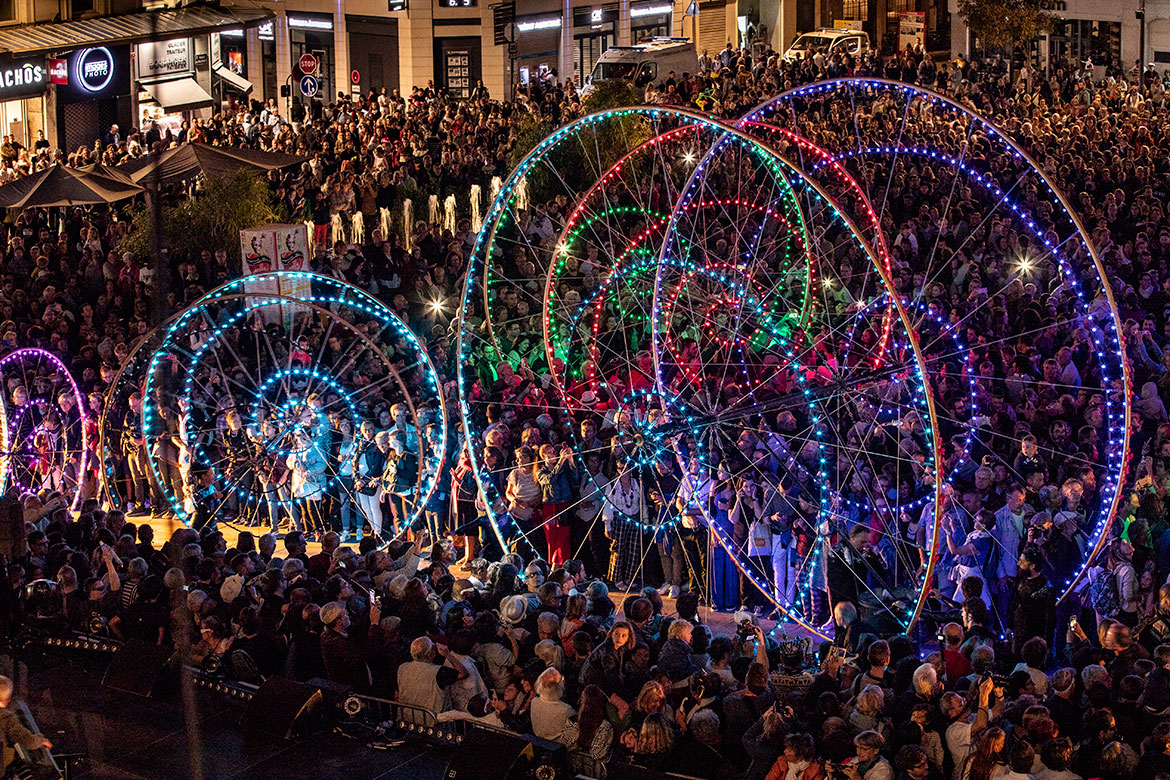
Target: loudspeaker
[494,755]
[136,668]
[282,707]
[12,542]
[335,693]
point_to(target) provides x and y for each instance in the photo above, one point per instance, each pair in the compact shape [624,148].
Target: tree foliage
[578,161]
[1002,24]
[530,130]
[214,218]
[614,93]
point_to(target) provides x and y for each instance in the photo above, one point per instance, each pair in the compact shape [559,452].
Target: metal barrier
[407,720]
[218,683]
[584,765]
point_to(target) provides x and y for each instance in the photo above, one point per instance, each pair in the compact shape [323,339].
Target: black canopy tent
[59,185]
[188,160]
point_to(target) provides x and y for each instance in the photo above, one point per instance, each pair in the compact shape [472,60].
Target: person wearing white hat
[514,610]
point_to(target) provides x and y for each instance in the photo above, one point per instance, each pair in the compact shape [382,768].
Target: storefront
[105,71]
[313,34]
[373,53]
[1078,40]
[1106,34]
[229,67]
[95,97]
[538,45]
[169,85]
[650,20]
[594,31]
[23,83]
[457,65]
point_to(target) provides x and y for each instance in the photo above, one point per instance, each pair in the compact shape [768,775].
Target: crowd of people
[1014,684]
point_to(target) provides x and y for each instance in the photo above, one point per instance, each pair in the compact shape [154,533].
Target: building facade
[364,45]
[1121,33]
[75,79]
[374,44]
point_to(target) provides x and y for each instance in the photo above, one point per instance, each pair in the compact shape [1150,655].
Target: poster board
[276,248]
[911,29]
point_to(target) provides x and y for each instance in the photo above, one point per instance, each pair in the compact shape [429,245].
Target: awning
[178,95]
[133,27]
[233,80]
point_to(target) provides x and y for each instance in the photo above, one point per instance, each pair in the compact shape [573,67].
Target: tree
[212,220]
[612,93]
[1005,24]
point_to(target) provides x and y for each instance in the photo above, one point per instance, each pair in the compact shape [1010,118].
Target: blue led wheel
[113,411]
[264,385]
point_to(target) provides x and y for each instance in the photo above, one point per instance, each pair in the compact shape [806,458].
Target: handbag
[760,538]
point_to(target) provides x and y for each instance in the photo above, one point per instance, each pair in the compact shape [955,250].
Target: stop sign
[308,64]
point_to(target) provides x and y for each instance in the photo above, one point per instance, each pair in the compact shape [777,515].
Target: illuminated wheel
[980,231]
[573,304]
[714,312]
[254,384]
[46,432]
[113,440]
[798,411]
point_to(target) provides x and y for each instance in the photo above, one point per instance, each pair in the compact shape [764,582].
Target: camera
[744,627]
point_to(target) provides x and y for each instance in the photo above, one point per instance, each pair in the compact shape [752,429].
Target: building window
[7,10]
[855,9]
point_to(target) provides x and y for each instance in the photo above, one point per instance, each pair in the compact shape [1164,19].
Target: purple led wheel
[979,230]
[46,435]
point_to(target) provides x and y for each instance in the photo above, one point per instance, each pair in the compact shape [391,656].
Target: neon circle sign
[94,68]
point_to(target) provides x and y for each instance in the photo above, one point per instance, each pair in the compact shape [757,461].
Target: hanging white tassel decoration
[337,232]
[407,224]
[476,217]
[449,213]
[497,185]
[522,195]
[312,237]
[359,227]
[384,222]
[433,215]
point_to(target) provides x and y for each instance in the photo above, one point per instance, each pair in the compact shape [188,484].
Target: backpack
[1103,593]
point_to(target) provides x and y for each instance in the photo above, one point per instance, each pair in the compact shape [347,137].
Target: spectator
[549,714]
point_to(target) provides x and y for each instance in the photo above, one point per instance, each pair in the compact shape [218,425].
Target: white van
[645,62]
[830,40]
